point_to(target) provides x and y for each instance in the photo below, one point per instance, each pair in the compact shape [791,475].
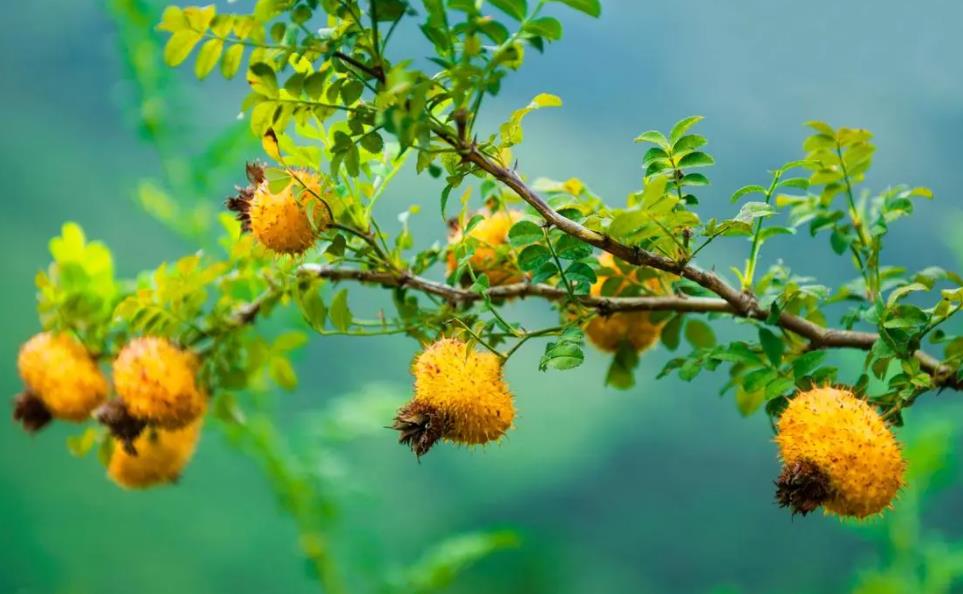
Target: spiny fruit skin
[837,452]
[160,457]
[491,257]
[61,377]
[460,396]
[279,220]
[635,328]
[156,382]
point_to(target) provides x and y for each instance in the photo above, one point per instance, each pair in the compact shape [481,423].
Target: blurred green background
[662,489]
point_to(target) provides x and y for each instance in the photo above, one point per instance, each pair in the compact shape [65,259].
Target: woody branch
[818,336]
[738,303]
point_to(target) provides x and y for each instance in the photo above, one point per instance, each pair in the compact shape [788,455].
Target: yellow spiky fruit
[280,220]
[492,255]
[159,457]
[837,452]
[62,380]
[460,396]
[157,383]
[634,328]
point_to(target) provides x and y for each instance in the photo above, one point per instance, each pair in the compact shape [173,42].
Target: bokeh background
[661,489]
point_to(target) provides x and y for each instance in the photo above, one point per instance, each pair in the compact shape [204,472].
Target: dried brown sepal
[802,487]
[420,426]
[31,412]
[122,425]
[255,173]
[240,203]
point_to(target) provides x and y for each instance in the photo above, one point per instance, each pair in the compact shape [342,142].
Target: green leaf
[207,57]
[106,450]
[439,566]
[231,62]
[582,275]
[565,352]
[805,364]
[572,248]
[627,223]
[263,80]
[544,272]
[532,257]
[821,127]
[445,195]
[200,17]
[589,7]
[653,137]
[696,159]
[547,27]
[688,143]
[289,341]
[351,91]
[754,210]
[797,183]
[621,371]
[561,356]
[511,131]
[699,334]
[340,313]
[80,445]
[653,155]
[772,345]
[179,46]
[745,191]
[372,142]
[903,291]
[779,387]
[682,126]
[672,332]
[748,402]
[314,84]
[227,409]
[283,374]
[390,10]
[172,20]
[517,9]
[523,233]
[694,179]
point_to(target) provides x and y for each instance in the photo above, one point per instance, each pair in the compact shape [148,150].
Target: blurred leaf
[772,345]
[440,565]
[621,373]
[699,334]
[179,46]
[339,313]
[282,372]
[207,57]
[533,256]
[523,233]
[80,445]
[681,127]
[565,352]
[589,7]
[517,9]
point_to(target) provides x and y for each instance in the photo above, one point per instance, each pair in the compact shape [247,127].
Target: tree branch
[819,337]
[740,303]
[517,290]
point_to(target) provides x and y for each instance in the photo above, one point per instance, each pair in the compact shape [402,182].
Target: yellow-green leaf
[511,131]
[179,46]
[207,57]
[231,62]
